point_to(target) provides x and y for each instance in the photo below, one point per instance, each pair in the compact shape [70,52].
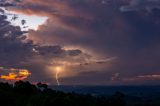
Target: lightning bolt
[57,77]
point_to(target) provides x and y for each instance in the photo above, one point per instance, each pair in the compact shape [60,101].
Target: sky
[32,22]
[80,42]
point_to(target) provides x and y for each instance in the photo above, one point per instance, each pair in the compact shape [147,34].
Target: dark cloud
[18,52]
[96,27]
[74,52]
[10,45]
[136,5]
[8,3]
[5,4]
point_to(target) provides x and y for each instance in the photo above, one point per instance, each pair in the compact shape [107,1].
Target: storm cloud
[17,52]
[136,5]
[92,26]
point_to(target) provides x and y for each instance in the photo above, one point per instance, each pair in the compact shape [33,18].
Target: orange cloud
[15,76]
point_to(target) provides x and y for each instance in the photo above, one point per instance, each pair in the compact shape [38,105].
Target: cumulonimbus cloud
[90,26]
[18,52]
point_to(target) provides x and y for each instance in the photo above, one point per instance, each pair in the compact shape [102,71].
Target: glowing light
[58,70]
[15,76]
[24,72]
[10,76]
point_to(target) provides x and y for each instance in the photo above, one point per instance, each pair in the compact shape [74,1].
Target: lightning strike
[58,70]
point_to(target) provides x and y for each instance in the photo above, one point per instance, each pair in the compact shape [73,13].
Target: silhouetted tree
[25,88]
[42,86]
[23,93]
[118,99]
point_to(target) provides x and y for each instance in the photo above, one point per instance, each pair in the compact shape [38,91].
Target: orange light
[58,68]
[10,76]
[14,76]
[24,72]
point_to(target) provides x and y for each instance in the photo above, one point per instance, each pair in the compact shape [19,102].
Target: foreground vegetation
[26,94]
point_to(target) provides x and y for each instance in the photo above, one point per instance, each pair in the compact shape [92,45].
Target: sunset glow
[15,76]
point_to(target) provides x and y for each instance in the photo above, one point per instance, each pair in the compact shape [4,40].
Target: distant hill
[26,94]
